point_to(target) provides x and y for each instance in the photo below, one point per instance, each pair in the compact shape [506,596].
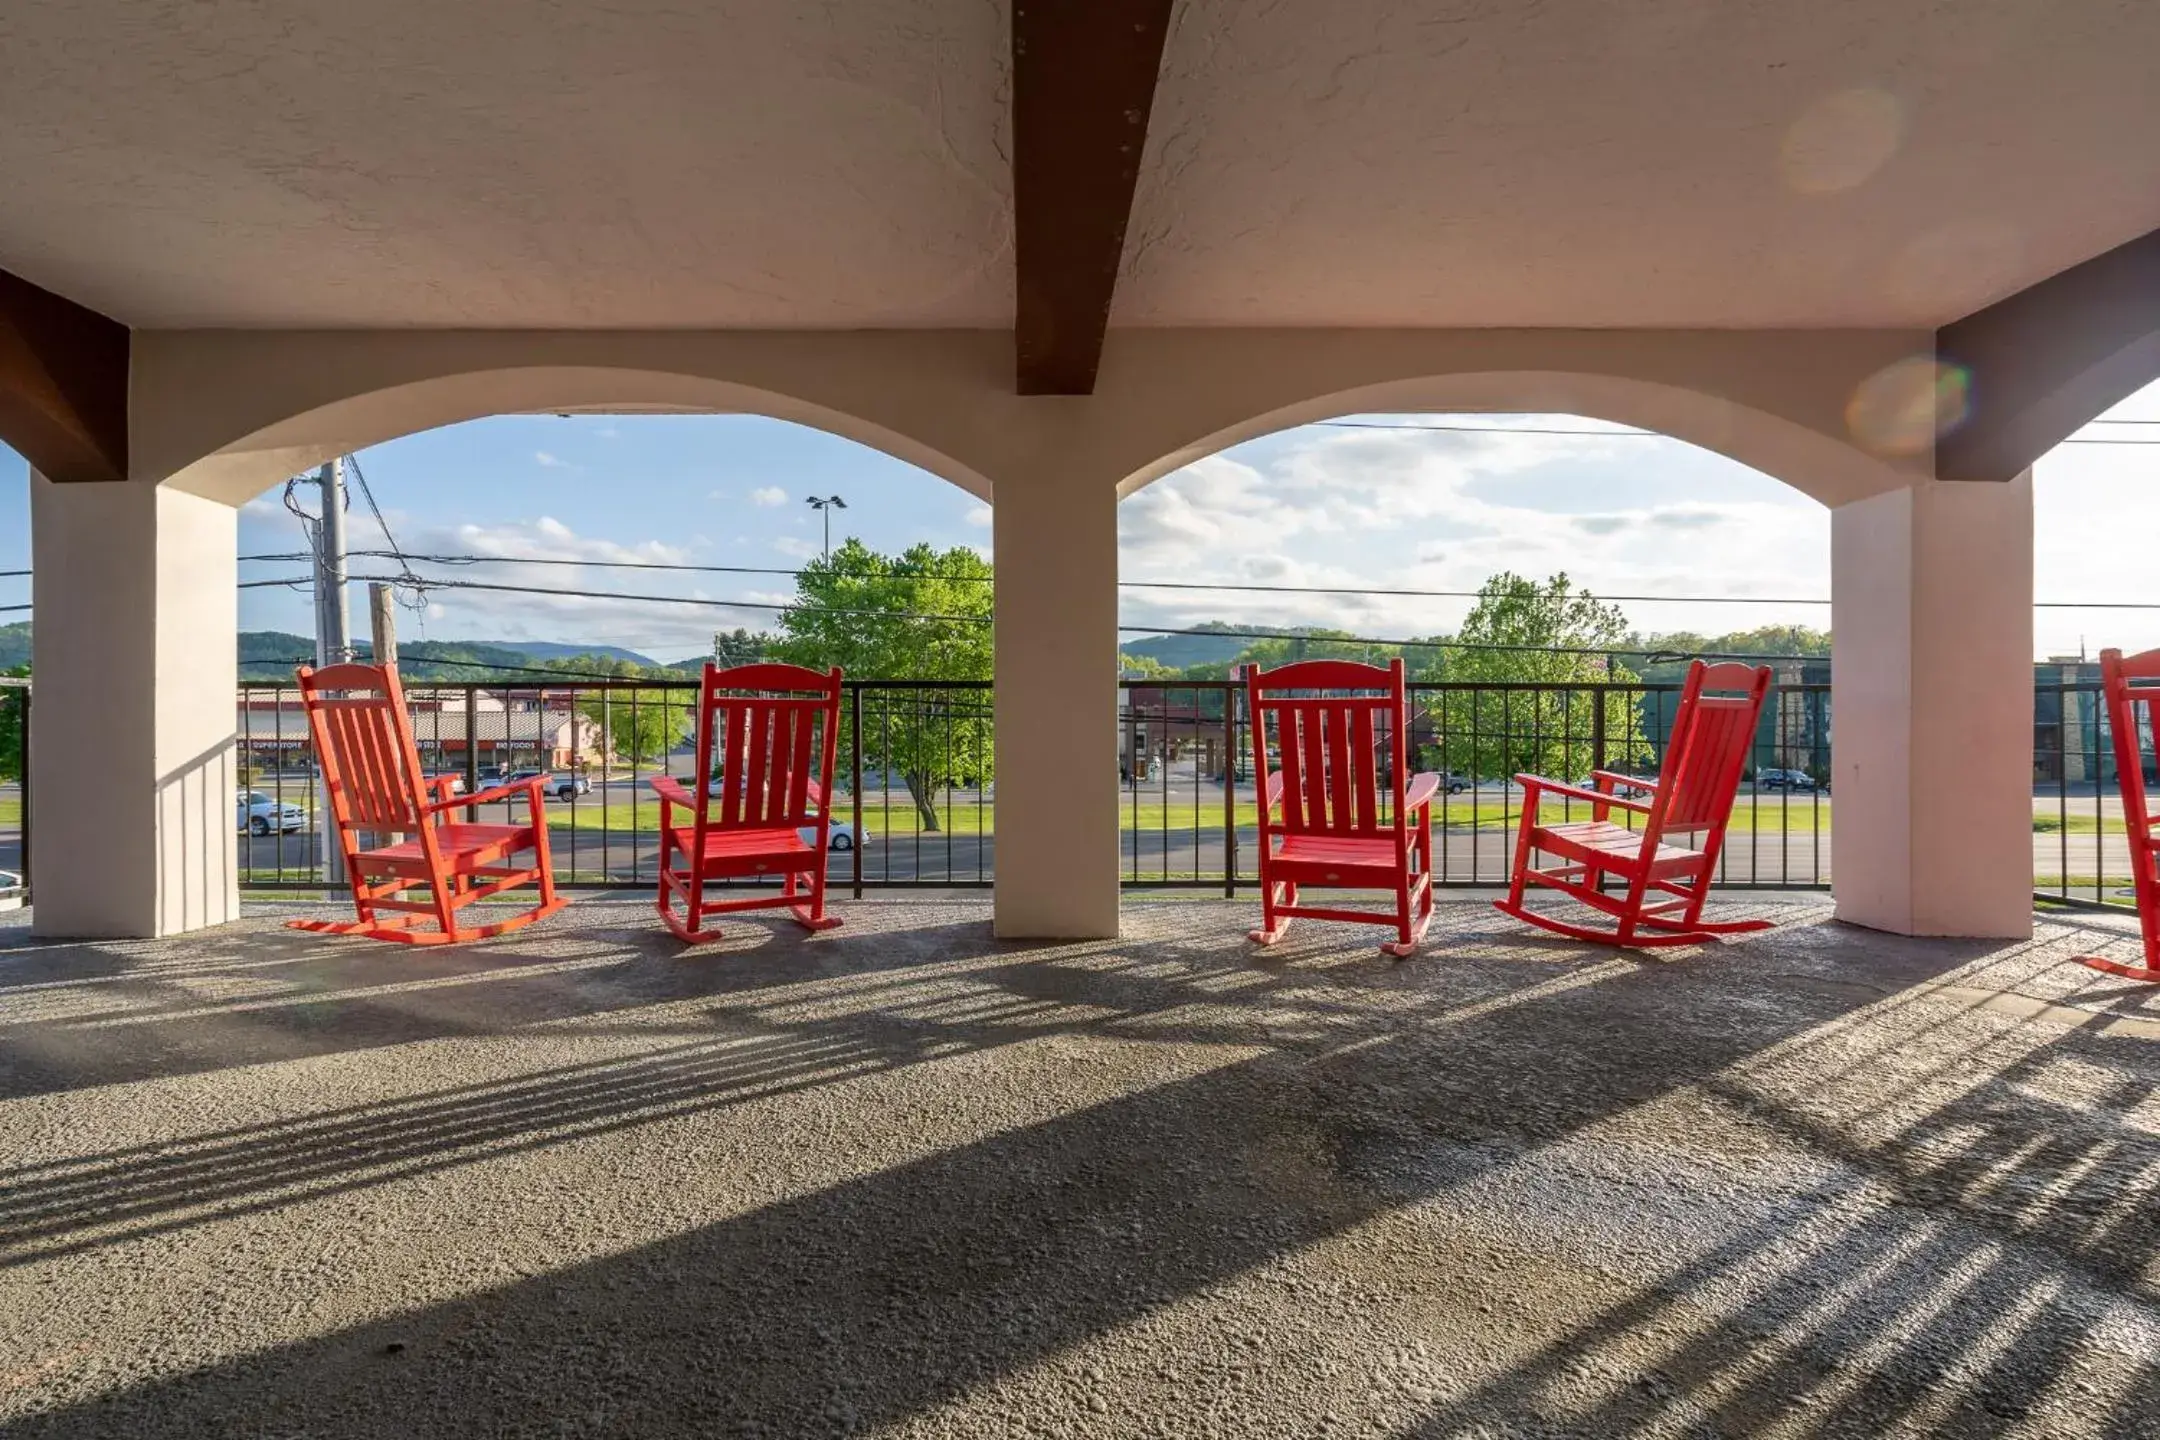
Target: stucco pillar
[131,746]
[1932,715]
[1057,818]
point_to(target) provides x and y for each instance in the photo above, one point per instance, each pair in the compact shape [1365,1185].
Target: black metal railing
[1185,765]
[14,789]
[918,774]
[913,807]
[2081,855]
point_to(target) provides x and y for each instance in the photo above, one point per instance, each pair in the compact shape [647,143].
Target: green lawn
[11,811]
[2077,824]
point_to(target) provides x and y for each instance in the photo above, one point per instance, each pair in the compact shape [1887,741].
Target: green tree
[740,647]
[12,700]
[920,615]
[1550,635]
[639,725]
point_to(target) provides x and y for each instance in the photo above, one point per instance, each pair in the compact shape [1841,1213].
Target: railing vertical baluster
[855,786]
[1229,786]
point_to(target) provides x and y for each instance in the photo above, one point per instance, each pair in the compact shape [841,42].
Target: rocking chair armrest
[530,789]
[443,783]
[667,787]
[1534,785]
[1271,791]
[1632,782]
[816,793]
[1422,789]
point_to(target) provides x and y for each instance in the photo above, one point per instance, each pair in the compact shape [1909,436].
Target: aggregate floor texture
[902,1179]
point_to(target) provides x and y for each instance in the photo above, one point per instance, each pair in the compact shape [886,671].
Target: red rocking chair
[1332,832]
[766,736]
[1692,798]
[2133,704]
[371,771]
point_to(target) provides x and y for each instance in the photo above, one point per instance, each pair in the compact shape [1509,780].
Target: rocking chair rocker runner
[1337,740]
[1693,797]
[761,732]
[371,771]
[2131,687]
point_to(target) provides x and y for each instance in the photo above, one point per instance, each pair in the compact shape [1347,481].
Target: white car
[259,814]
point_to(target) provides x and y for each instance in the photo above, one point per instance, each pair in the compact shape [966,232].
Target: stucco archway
[1811,462]
[245,467]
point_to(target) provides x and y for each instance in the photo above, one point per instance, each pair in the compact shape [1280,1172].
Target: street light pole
[825,505]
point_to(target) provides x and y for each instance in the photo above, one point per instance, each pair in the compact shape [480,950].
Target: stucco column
[1057,818]
[1932,715]
[131,747]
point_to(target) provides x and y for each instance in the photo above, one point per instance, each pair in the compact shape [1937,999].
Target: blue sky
[1320,505]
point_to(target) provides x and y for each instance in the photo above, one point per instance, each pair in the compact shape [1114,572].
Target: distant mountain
[1206,648]
[554,650]
[272,655]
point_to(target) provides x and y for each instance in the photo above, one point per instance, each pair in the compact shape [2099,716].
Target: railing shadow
[880,1297]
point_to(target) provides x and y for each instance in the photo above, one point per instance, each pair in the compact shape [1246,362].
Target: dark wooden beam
[1083,83]
[2046,360]
[63,384]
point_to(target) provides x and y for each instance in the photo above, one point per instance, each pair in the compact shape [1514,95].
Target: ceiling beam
[2045,361]
[63,384]
[1083,83]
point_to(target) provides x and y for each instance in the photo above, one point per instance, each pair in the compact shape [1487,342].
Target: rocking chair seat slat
[1335,852]
[782,847]
[458,845]
[1610,847]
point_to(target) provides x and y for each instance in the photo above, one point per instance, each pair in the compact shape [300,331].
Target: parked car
[840,835]
[259,814]
[457,780]
[1784,780]
[557,787]
[1455,782]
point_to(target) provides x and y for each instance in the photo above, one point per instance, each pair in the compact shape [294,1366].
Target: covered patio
[1888,253]
[909,1179]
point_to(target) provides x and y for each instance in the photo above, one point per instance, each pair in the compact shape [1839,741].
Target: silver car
[259,814]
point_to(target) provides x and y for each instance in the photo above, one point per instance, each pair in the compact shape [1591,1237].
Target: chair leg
[1272,926]
[1517,875]
[812,916]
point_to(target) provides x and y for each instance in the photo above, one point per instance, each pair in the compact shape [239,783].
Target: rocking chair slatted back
[2132,687]
[371,768]
[1711,735]
[1330,743]
[766,728]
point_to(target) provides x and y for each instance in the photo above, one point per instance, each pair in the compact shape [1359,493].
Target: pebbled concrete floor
[901,1179]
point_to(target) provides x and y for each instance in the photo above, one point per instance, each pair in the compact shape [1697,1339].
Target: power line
[1242,588]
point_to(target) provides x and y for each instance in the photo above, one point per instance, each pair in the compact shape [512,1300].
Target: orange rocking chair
[1331,831]
[772,726]
[2132,691]
[371,771]
[1692,798]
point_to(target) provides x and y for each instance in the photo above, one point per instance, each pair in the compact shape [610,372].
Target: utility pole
[382,623]
[333,620]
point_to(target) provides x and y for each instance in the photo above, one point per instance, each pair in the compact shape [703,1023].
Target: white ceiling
[635,163]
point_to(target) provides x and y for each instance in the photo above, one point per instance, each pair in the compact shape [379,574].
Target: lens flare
[1903,407]
[1841,141]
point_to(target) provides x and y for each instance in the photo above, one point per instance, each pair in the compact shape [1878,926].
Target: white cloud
[979,517]
[795,548]
[768,495]
[550,462]
[1444,510]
